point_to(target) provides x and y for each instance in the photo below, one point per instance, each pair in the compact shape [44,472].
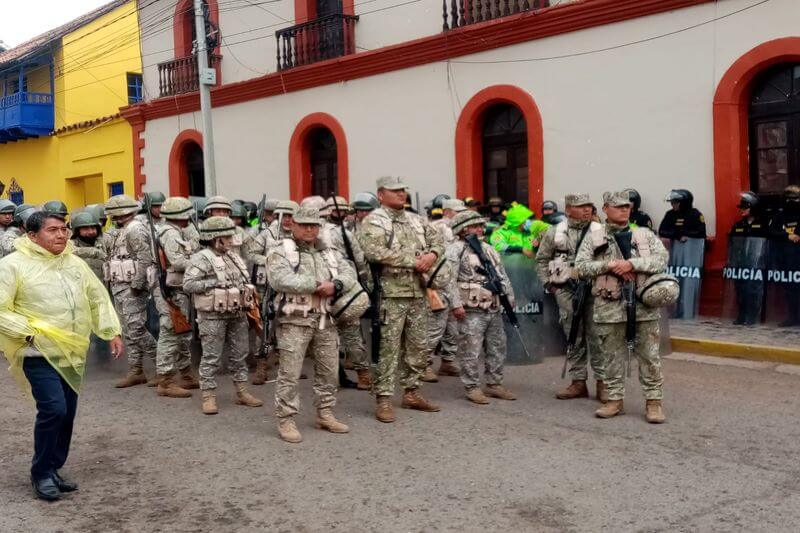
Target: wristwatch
[337,287]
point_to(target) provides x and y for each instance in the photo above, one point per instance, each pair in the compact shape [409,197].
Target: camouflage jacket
[94,255]
[259,245]
[560,240]
[133,242]
[465,271]
[648,256]
[178,251]
[394,239]
[295,268]
[331,236]
[443,226]
[200,277]
[7,240]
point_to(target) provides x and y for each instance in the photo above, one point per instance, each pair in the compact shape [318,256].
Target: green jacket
[510,239]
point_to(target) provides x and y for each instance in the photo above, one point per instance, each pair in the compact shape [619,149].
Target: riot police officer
[785,233]
[749,293]
[683,221]
[638,217]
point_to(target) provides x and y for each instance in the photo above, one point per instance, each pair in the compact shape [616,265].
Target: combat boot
[610,409]
[653,412]
[412,399]
[261,374]
[188,381]
[601,391]
[210,402]
[476,395]
[385,412]
[135,377]
[448,368]
[326,420]
[364,379]
[167,387]
[287,430]
[243,397]
[429,376]
[499,391]
[576,389]
[154,382]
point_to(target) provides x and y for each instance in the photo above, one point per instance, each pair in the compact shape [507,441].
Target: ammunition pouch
[559,270]
[302,304]
[226,300]
[120,270]
[475,295]
[607,287]
[174,279]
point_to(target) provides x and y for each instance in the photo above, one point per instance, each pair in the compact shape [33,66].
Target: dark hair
[36,221]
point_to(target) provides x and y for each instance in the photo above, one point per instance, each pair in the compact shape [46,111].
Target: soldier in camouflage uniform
[600,259]
[405,247]
[7,208]
[218,282]
[364,204]
[88,241]
[307,275]
[21,214]
[126,270]
[478,312]
[156,201]
[555,262]
[172,353]
[219,206]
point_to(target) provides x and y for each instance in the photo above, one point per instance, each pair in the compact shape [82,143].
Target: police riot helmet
[682,196]
[549,205]
[748,200]
[252,209]
[495,201]
[84,219]
[55,207]
[177,208]
[659,290]
[366,201]
[7,207]
[791,193]
[438,200]
[238,211]
[635,198]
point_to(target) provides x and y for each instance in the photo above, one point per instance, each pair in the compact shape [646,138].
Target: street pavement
[726,460]
[722,330]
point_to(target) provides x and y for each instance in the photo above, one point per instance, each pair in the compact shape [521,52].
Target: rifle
[494,284]
[579,298]
[268,311]
[376,298]
[179,322]
[629,297]
[254,274]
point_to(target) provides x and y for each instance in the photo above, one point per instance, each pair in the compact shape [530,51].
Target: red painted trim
[178,177]
[135,118]
[469,146]
[731,148]
[182,22]
[305,10]
[300,157]
[471,39]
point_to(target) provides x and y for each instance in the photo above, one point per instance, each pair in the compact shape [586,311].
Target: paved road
[722,330]
[725,461]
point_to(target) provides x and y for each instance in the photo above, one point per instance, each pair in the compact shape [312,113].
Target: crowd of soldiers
[286,281]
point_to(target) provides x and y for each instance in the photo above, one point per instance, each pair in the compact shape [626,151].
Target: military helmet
[465,219]
[659,290]
[438,200]
[97,210]
[635,198]
[177,208]
[121,205]
[214,227]
[7,206]
[83,219]
[341,202]
[792,192]
[217,202]
[495,201]
[270,205]
[239,210]
[287,207]
[351,306]
[55,207]
[549,205]
[307,215]
[156,198]
[22,212]
[314,202]
[748,200]
[366,201]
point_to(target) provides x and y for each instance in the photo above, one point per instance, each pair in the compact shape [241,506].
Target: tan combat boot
[385,412]
[287,430]
[261,374]
[412,399]
[499,391]
[653,412]
[429,376]
[448,368]
[364,379]
[210,402]
[188,380]
[135,377]
[476,395]
[610,409]
[576,389]
[243,397]
[326,420]
[601,391]
[167,387]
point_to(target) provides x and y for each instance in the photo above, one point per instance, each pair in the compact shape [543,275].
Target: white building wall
[637,116]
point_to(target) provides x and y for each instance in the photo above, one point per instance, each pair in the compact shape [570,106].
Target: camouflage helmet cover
[217,202]
[659,290]
[214,227]
[177,208]
[121,205]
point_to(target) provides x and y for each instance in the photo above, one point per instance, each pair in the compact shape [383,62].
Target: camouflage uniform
[393,239]
[94,255]
[294,271]
[591,262]
[442,326]
[8,238]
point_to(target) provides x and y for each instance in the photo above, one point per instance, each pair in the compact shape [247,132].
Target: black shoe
[788,323]
[46,489]
[63,484]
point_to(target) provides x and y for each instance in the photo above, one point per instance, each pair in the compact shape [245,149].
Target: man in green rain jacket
[520,233]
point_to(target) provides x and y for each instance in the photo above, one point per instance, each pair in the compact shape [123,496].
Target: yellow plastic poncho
[57,300]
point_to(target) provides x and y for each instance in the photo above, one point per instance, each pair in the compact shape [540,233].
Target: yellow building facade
[61,136]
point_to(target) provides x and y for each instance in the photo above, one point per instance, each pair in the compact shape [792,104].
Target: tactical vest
[175,278]
[609,286]
[471,288]
[381,218]
[227,296]
[561,268]
[121,267]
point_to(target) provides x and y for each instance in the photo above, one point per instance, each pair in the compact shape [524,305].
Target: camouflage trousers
[443,328]
[612,343]
[586,343]
[294,342]
[404,346]
[218,332]
[132,311]
[482,331]
[172,350]
[353,343]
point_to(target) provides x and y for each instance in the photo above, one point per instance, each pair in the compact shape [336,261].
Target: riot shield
[783,282]
[686,264]
[745,279]
[537,314]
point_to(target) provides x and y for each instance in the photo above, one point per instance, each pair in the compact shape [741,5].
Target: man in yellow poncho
[50,302]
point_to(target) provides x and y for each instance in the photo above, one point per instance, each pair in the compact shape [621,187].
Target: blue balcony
[24,115]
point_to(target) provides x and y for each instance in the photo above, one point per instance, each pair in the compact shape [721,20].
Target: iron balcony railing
[180,75]
[317,40]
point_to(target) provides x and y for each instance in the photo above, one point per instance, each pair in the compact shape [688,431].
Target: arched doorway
[186,174]
[195,175]
[505,154]
[323,163]
[774,123]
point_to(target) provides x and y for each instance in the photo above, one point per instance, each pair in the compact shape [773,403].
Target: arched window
[505,154]
[324,163]
[775,131]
